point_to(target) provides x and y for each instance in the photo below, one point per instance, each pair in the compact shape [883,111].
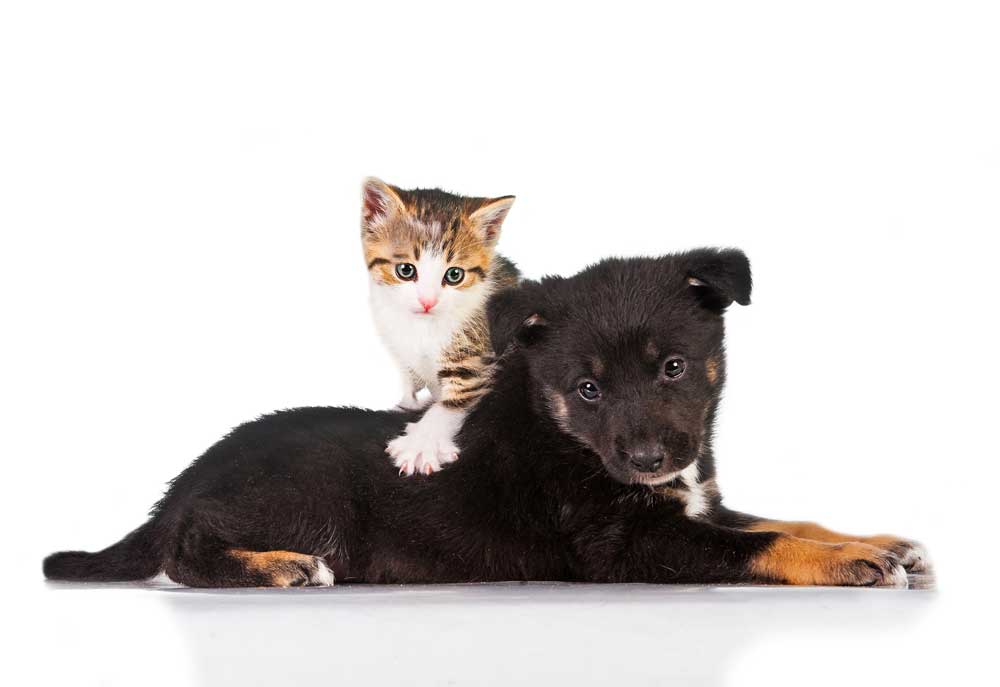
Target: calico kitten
[432,265]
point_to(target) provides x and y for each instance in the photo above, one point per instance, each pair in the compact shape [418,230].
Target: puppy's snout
[644,459]
[644,462]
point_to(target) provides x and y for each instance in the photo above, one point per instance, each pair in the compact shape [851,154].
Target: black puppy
[590,460]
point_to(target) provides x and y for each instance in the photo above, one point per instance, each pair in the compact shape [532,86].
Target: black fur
[535,495]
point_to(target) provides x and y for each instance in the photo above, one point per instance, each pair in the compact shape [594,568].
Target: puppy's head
[627,356]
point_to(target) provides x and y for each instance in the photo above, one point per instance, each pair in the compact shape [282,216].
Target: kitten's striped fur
[436,330]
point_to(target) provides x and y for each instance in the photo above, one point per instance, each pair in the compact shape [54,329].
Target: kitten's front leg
[427,444]
[411,385]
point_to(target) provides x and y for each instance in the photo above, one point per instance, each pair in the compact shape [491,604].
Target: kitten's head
[429,253]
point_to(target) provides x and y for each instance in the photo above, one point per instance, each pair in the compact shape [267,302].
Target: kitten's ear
[719,277]
[488,218]
[379,200]
[516,315]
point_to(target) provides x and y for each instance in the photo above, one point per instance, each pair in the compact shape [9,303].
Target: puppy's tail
[138,556]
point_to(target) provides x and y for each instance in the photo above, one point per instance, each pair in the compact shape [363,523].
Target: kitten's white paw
[426,446]
[411,403]
[416,451]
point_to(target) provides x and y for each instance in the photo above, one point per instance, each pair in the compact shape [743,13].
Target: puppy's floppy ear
[516,314]
[379,200]
[719,276]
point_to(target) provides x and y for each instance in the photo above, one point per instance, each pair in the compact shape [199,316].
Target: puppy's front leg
[681,550]
[911,554]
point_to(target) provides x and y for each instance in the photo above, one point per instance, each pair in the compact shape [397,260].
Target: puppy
[590,459]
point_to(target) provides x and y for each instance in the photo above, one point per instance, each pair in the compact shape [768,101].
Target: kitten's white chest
[415,341]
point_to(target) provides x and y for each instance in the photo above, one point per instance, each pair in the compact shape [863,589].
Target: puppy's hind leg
[284,568]
[213,564]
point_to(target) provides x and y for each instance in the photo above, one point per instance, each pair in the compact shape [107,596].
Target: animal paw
[422,449]
[912,555]
[285,568]
[412,403]
[854,564]
[312,573]
[851,564]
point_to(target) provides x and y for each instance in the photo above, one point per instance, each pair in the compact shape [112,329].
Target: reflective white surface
[179,209]
[499,634]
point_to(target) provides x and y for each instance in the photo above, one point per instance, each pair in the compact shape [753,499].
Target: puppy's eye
[589,391]
[454,276]
[406,271]
[674,368]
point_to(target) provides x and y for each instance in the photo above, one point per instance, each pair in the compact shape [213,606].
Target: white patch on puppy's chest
[695,495]
[696,502]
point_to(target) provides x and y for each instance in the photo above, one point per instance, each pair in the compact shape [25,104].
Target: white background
[179,188]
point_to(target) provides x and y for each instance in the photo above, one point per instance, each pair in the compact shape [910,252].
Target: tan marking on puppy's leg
[803,530]
[911,554]
[285,568]
[790,560]
[712,370]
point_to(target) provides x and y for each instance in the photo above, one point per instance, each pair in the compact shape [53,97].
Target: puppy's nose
[646,461]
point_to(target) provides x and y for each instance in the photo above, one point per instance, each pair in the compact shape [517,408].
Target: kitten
[432,266]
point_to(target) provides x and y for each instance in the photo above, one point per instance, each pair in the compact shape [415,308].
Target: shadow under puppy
[589,460]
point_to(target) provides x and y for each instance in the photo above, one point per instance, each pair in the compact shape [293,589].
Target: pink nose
[428,302]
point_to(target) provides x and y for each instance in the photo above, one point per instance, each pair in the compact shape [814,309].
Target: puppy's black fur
[556,482]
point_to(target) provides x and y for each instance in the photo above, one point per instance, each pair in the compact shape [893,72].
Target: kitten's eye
[674,368]
[406,271]
[454,275]
[589,391]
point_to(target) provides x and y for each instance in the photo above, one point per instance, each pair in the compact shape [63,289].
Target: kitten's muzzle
[427,302]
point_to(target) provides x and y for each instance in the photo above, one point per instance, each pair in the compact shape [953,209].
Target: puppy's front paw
[801,561]
[422,449]
[862,565]
[912,555]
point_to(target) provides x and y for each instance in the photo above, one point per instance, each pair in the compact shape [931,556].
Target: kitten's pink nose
[428,302]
